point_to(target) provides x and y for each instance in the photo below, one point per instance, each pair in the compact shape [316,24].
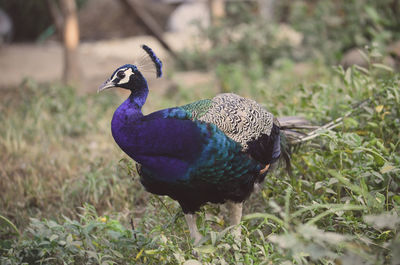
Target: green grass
[70,194]
[56,152]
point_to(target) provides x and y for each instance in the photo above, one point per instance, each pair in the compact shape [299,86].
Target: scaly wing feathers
[241,119]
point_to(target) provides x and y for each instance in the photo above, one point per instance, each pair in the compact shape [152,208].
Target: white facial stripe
[128,72]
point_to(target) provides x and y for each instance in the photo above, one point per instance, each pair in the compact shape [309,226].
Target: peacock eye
[120,74]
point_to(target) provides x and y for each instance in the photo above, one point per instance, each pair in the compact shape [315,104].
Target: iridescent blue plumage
[213,150]
[191,161]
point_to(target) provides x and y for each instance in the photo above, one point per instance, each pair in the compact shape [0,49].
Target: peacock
[209,151]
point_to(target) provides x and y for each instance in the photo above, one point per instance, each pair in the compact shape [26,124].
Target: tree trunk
[267,9]
[136,10]
[71,73]
[217,10]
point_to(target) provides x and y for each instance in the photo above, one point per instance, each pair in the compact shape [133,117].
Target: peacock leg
[194,232]
[258,186]
[235,215]
[262,171]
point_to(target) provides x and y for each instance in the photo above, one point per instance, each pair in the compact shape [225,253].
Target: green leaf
[362,69]
[53,237]
[347,76]
[265,216]
[383,67]
[213,236]
[396,198]
[318,185]
[364,186]
[9,223]
[151,251]
[350,122]
[387,167]
[372,13]
[380,198]
[69,239]
[332,181]
[207,249]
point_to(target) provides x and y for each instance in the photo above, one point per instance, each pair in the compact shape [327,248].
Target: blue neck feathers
[127,113]
[138,96]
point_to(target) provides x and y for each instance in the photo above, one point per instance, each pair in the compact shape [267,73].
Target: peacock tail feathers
[297,130]
[286,151]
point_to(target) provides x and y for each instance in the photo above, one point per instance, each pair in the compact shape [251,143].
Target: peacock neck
[138,96]
[131,108]
[127,113]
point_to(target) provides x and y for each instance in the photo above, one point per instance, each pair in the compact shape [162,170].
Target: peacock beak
[105,85]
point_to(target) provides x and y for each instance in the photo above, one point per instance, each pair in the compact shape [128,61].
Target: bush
[341,204]
[301,31]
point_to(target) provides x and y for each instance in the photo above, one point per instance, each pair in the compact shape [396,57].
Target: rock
[113,21]
[188,16]
[394,53]
[6,27]
[353,57]
[394,50]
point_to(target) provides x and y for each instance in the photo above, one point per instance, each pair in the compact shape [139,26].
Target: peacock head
[129,77]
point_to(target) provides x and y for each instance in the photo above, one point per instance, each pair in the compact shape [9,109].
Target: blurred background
[207,33]
[312,58]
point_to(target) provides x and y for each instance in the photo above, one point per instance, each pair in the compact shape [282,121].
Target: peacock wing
[192,161]
[206,151]
[244,121]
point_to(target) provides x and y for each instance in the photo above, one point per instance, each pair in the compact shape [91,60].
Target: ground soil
[98,59]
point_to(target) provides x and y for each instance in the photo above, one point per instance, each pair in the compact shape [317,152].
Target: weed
[341,204]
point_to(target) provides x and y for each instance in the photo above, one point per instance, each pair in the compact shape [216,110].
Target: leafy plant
[340,205]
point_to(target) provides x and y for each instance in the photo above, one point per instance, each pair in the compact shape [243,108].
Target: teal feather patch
[199,108]
[221,160]
[178,113]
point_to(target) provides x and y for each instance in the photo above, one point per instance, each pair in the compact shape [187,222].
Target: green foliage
[332,27]
[340,206]
[299,30]
[43,129]
[91,240]
[243,43]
